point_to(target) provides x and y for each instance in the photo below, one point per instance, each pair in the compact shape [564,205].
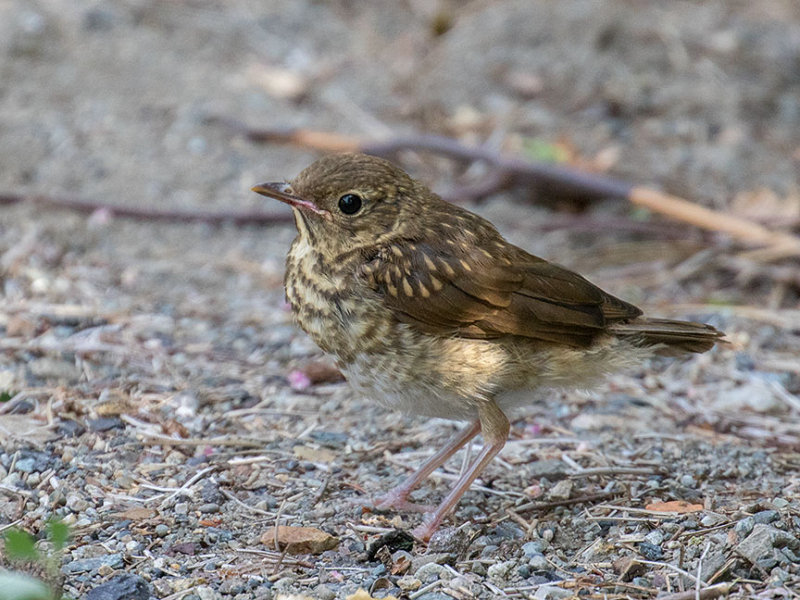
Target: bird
[428,310]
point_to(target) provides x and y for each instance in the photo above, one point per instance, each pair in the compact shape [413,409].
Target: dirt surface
[158,399]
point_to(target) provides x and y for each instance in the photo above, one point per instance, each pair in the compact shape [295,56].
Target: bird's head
[347,201]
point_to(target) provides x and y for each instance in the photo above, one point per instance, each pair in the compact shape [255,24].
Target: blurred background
[109,99]
[180,329]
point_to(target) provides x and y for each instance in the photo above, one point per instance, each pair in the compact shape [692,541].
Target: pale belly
[436,376]
[455,375]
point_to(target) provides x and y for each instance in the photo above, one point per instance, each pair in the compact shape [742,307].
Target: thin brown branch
[777,244]
[708,593]
[147,214]
[579,500]
[595,471]
[590,224]
[505,171]
[552,178]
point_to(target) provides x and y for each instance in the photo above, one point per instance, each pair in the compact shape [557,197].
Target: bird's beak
[283,192]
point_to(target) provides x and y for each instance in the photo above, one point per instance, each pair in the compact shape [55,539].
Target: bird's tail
[671,337]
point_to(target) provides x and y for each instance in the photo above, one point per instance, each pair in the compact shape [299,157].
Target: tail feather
[672,337]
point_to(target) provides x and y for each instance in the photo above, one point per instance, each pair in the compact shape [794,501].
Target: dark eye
[350,204]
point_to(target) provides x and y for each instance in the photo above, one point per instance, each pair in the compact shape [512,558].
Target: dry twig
[506,170]
[147,214]
[708,593]
[570,501]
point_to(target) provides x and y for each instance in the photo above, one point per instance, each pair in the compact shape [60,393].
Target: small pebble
[766,516]
[25,465]
[538,563]
[508,531]
[430,572]
[161,530]
[650,551]
[655,537]
[561,490]
[460,582]
[324,592]
[532,548]
[209,492]
[263,593]
[181,508]
[284,583]
[105,424]
[478,569]
[408,583]
[744,527]
[356,547]
[105,571]
[499,572]
[232,586]
[779,575]
[206,592]
[83,521]
[175,458]
[126,586]
[87,565]
[710,520]
[209,508]
[552,592]
[688,481]
[76,503]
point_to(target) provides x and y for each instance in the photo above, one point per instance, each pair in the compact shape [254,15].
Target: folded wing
[464,290]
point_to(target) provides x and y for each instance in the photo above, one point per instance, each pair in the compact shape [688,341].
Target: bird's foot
[424,531]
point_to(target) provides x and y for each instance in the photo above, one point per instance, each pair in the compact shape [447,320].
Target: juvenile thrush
[429,310]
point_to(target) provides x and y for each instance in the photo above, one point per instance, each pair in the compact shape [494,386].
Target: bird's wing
[455,289]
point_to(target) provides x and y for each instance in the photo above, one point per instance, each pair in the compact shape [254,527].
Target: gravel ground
[156,397]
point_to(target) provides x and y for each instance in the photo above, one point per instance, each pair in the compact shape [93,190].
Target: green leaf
[20,545]
[58,533]
[543,151]
[7,395]
[18,586]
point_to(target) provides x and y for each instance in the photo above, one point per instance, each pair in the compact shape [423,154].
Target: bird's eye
[350,204]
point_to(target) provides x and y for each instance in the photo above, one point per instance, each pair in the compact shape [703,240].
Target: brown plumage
[429,310]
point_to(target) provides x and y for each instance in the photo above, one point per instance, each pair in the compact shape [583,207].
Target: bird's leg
[396,497]
[494,429]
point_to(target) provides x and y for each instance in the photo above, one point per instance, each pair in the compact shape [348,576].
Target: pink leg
[396,497]
[494,427]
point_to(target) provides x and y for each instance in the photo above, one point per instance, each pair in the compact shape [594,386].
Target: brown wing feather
[459,289]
